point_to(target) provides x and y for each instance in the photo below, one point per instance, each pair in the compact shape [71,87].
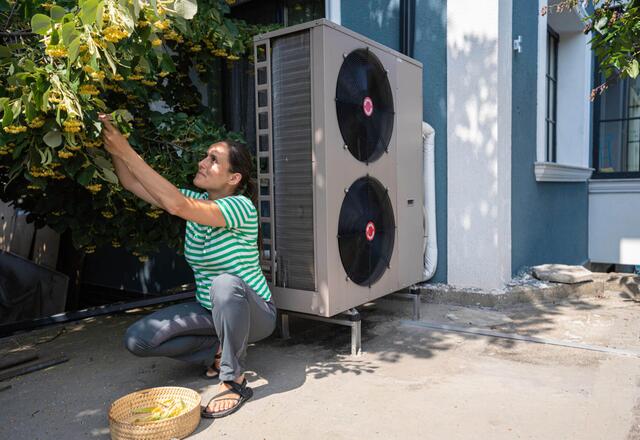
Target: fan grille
[364,105]
[366,231]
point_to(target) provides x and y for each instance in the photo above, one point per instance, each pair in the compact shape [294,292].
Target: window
[616,150]
[563,109]
[552,95]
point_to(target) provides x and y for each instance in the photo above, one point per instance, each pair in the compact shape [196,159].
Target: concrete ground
[410,383]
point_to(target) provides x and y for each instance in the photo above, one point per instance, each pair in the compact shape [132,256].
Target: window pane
[618,142]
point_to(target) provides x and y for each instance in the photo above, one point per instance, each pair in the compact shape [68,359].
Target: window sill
[554,172]
[604,186]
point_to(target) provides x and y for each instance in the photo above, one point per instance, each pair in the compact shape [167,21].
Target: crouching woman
[233,305]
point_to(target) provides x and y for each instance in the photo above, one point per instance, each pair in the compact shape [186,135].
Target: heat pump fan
[366,231]
[364,105]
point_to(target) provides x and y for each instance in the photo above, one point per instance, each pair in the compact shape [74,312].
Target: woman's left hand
[114,142]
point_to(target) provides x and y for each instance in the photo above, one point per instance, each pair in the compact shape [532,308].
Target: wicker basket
[121,415]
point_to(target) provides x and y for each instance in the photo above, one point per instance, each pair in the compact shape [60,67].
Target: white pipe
[430,245]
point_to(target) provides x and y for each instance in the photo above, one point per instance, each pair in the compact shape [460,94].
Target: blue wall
[549,221]
[376,19]
[380,21]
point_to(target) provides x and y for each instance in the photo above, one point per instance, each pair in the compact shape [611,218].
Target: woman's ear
[235,179]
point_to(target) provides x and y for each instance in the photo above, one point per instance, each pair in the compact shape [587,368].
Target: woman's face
[214,170]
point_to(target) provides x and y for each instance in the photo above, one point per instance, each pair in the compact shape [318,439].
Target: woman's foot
[228,397]
[214,370]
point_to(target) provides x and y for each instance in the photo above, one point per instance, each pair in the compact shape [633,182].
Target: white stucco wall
[614,221]
[479,51]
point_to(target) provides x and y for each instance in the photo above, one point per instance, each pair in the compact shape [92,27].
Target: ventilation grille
[292,147]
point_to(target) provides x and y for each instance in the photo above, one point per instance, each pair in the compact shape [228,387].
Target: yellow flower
[143,258]
[161,24]
[135,77]
[107,214]
[36,122]
[95,188]
[156,42]
[114,34]
[57,213]
[115,243]
[143,23]
[58,176]
[196,48]
[15,129]
[83,47]
[93,144]
[163,74]
[88,69]
[72,126]
[233,58]
[56,51]
[231,2]
[220,53]
[65,154]
[171,35]
[73,147]
[11,89]
[47,5]
[149,83]
[32,186]
[89,249]
[88,89]
[117,77]
[98,76]
[55,98]
[155,213]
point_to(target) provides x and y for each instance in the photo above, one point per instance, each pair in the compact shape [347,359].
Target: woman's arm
[160,190]
[130,183]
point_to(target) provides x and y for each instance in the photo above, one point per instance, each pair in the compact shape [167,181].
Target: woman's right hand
[114,142]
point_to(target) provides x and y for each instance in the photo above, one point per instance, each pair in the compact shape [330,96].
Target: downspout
[430,244]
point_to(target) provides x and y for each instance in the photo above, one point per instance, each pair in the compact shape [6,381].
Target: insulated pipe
[430,244]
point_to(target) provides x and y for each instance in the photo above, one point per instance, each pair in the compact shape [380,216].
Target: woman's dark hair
[241,161]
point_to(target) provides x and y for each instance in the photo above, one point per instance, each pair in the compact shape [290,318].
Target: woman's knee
[225,288]
[135,343]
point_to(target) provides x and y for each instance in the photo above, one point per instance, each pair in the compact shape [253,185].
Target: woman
[233,304]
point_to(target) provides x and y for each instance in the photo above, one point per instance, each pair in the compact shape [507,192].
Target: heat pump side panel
[410,173]
[292,154]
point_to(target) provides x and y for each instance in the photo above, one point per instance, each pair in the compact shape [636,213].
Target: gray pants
[191,333]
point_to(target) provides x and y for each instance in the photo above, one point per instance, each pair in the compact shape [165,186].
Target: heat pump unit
[340,167]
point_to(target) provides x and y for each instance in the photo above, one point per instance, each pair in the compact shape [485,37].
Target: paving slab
[410,383]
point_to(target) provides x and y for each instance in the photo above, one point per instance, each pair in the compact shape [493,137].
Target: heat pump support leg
[350,318]
[416,303]
[414,294]
[284,326]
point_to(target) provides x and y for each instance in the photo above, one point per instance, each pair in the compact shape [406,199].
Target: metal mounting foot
[350,318]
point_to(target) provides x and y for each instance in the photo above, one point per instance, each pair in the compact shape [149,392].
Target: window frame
[595,150]
[551,151]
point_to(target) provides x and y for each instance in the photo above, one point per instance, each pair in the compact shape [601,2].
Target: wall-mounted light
[517,44]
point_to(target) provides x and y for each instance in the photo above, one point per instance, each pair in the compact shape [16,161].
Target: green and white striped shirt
[213,251]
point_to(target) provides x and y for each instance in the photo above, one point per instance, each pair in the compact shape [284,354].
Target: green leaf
[109,176]
[5,52]
[186,8]
[85,176]
[40,24]
[103,163]
[57,12]
[633,69]
[89,11]
[73,49]
[68,31]
[52,138]
[8,115]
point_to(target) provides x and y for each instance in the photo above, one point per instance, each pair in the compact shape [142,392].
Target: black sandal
[213,367]
[242,393]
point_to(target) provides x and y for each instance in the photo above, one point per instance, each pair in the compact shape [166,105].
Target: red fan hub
[370,231]
[367,106]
